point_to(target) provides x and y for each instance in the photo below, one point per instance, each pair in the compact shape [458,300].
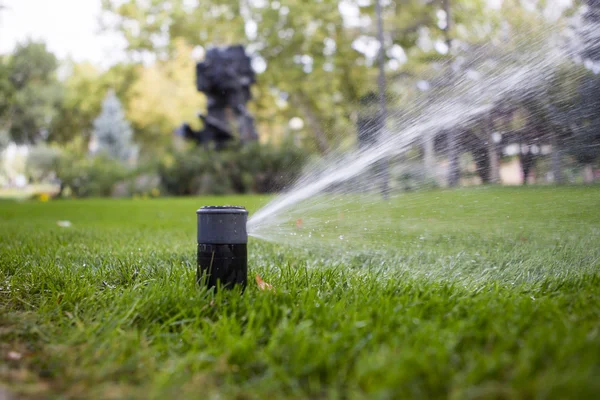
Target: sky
[69,27]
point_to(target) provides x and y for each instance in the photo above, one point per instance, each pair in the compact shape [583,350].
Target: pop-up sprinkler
[222,253]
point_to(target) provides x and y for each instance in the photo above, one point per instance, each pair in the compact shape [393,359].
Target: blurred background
[92,93]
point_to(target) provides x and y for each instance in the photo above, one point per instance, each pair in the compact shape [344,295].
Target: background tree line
[316,61]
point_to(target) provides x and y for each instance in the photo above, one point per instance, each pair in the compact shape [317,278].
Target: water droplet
[341,237]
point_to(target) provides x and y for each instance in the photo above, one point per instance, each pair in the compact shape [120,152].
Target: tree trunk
[453,164]
[482,164]
[385,173]
[556,159]
[588,173]
[429,154]
[527,162]
[493,153]
[494,158]
[447,10]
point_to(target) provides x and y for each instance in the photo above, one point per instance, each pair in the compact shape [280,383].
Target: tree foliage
[315,60]
[113,135]
[163,96]
[84,90]
[294,41]
[30,92]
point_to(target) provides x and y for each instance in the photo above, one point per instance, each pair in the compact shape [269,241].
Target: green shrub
[407,176]
[179,171]
[253,168]
[271,168]
[42,161]
[90,176]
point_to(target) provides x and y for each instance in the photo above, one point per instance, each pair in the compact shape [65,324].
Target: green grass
[479,293]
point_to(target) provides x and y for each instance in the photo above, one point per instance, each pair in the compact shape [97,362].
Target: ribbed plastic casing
[222,251]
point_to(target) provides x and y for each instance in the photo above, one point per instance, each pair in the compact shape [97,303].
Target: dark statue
[225,77]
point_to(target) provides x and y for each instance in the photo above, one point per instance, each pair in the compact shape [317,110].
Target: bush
[272,168]
[407,176]
[142,181]
[90,176]
[42,162]
[253,168]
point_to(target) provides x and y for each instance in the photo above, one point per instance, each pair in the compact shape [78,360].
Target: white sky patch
[350,12]
[258,3]
[555,9]
[442,19]
[296,123]
[251,29]
[352,15]
[367,45]
[423,85]
[259,65]
[441,47]
[397,53]
[330,46]
[512,149]
[394,65]
[529,5]
[473,75]
[306,59]
[494,4]
[198,53]
[424,40]
[190,4]
[69,27]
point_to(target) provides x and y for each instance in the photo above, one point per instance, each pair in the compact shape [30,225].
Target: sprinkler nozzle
[222,252]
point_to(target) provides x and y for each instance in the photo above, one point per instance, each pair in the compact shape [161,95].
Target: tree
[84,90]
[584,144]
[112,133]
[4,140]
[33,92]
[589,31]
[6,94]
[80,104]
[296,42]
[42,162]
[164,96]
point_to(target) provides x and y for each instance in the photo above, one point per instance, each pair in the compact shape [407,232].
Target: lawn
[477,293]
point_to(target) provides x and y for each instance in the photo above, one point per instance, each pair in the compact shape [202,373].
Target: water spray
[222,251]
[344,182]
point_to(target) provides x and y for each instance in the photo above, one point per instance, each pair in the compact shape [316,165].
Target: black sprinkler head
[222,240]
